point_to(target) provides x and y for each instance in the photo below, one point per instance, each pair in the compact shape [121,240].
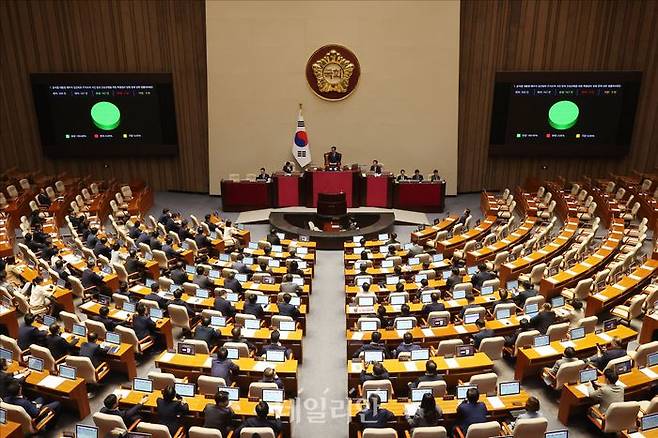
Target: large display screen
[563,113]
[100,115]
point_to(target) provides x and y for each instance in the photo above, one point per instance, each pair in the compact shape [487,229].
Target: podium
[378,191]
[287,192]
[341,181]
[424,196]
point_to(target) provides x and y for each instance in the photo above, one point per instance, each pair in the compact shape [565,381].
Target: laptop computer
[184,389]
[382,393]
[462,390]
[509,388]
[273,395]
[373,356]
[83,431]
[588,375]
[142,385]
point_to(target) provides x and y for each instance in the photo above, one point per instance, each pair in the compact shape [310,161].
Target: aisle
[321,406]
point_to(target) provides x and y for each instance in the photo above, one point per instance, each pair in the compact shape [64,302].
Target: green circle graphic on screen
[563,114]
[106,115]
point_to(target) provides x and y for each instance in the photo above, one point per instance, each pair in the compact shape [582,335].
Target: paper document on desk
[121,393]
[260,366]
[583,388]
[410,366]
[460,329]
[121,314]
[452,363]
[87,305]
[605,337]
[496,403]
[635,277]
[410,409]
[166,357]
[284,335]
[248,333]
[357,336]
[600,297]
[567,344]
[51,381]
[427,332]
[546,350]
[71,258]
[636,435]
[356,367]
[649,373]
[620,383]
[453,303]
[207,363]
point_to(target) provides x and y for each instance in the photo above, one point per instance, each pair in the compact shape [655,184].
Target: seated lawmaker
[378,372]
[275,345]
[28,334]
[262,176]
[57,344]
[471,411]
[407,345]
[251,307]
[203,332]
[93,350]
[431,374]
[287,309]
[606,354]
[222,366]
[428,413]
[220,415]
[288,168]
[129,416]
[374,416]
[417,176]
[170,409]
[334,158]
[402,176]
[376,167]
[261,420]
[270,376]
[34,408]
[435,176]
[481,276]
[142,324]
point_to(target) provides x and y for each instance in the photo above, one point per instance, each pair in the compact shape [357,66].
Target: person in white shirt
[229,231]
[39,295]
[576,314]
[117,255]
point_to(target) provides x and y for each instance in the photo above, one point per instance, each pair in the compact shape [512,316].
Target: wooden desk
[512,270]
[251,370]
[9,319]
[11,430]
[553,285]
[473,258]
[71,393]
[407,270]
[488,204]
[636,383]
[242,407]
[448,407]
[529,360]
[428,233]
[620,291]
[163,325]
[649,326]
[403,372]
[447,247]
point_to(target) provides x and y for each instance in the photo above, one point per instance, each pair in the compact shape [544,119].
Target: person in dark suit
[170,409]
[334,158]
[92,350]
[288,168]
[154,241]
[287,309]
[376,167]
[527,292]
[178,301]
[142,324]
[240,266]
[463,217]
[28,334]
[204,332]
[201,279]
[222,366]
[153,296]
[273,238]
[251,307]
[433,306]
[470,411]
[378,373]
[15,397]
[262,175]
[482,275]
[184,231]
[470,299]
[232,283]
[202,242]
[222,304]
[417,176]
[428,413]
[91,279]
[606,354]
[168,249]
[431,374]
[261,420]
[135,231]
[543,319]
[6,378]
[402,176]
[207,219]
[236,336]
[92,239]
[58,346]
[484,333]
[101,248]
[133,264]
[374,416]
[270,376]
[455,278]
[435,176]
[129,416]
[407,345]
[103,318]
[178,275]
[144,237]
[375,344]
[220,415]
[275,345]
[524,326]
[165,216]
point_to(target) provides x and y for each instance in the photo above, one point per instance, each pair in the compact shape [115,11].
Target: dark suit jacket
[58,346]
[202,241]
[253,309]
[367,376]
[188,308]
[133,265]
[481,277]
[521,298]
[26,404]
[453,280]
[372,346]
[433,307]
[375,418]
[224,369]
[94,352]
[90,279]
[162,302]
[178,276]
[108,322]
[272,423]
[169,413]
[470,413]
[233,284]
[91,240]
[134,232]
[240,267]
[482,334]
[224,306]
[426,378]
[155,243]
[273,239]
[143,326]
[208,334]
[542,321]
[103,250]
[217,417]
[127,415]
[28,335]
[608,355]
[287,309]
[203,282]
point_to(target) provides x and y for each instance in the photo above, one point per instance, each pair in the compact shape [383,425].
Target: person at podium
[332,159]
[435,176]
[417,176]
[262,176]
[376,167]
[402,176]
[288,168]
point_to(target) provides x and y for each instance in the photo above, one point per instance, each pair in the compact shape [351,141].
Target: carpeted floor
[322,409]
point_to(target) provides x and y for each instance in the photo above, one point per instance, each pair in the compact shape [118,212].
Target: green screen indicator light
[106,115]
[563,114]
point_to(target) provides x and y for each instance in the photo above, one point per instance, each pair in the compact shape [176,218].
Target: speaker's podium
[332,211]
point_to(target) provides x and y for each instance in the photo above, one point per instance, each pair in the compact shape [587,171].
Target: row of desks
[473,258]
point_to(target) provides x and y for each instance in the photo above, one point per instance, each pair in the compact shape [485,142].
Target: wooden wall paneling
[106,36]
[552,35]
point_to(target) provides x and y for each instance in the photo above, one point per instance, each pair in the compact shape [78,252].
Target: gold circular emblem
[332,72]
